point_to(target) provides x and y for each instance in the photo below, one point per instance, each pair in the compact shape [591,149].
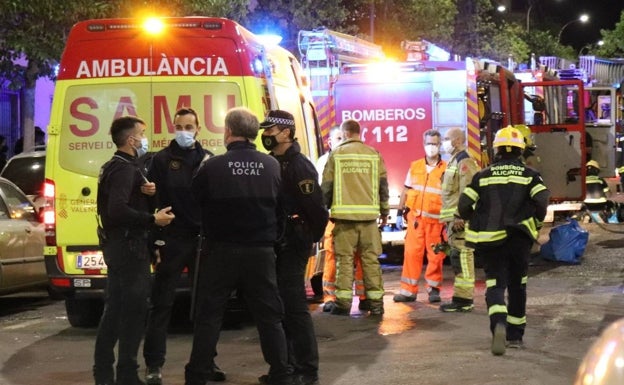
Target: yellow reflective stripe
[516,320]
[344,294]
[524,280]
[595,200]
[485,236]
[463,283]
[447,213]
[472,194]
[530,224]
[536,189]
[505,180]
[354,209]
[497,309]
[490,282]
[374,294]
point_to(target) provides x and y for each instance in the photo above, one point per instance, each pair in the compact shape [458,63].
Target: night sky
[603,14]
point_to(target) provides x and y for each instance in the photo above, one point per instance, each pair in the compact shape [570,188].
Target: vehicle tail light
[48,214]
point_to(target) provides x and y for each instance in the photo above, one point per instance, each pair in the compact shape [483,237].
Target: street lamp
[583,19]
[529,15]
[590,46]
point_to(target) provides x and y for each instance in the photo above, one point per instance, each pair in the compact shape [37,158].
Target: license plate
[91,260]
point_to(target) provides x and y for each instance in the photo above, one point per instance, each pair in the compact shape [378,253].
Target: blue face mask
[185,139]
[143,149]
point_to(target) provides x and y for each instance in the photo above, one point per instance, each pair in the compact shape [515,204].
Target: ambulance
[147,68]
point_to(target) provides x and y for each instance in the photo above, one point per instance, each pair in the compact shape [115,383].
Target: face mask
[447,147]
[431,150]
[185,139]
[143,149]
[269,141]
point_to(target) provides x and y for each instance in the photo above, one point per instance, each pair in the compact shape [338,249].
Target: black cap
[278,117]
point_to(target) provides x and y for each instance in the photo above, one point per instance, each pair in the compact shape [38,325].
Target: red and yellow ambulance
[116,67]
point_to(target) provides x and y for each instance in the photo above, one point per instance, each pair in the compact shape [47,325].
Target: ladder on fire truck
[323,52]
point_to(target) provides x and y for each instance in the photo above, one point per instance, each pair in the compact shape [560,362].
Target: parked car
[27,171]
[22,239]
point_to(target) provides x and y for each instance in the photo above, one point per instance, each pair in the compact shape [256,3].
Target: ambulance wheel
[316,282]
[83,313]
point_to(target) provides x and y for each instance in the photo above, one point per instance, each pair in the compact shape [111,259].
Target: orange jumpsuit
[329,269]
[424,199]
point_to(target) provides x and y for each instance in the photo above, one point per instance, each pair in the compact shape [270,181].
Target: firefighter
[329,264]
[421,200]
[306,218]
[596,191]
[355,188]
[504,205]
[528,155]
[459,172]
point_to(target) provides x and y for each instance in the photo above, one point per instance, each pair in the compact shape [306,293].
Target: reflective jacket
[505,195]
[424,197]
[459,172]
[596,189]
[355,184]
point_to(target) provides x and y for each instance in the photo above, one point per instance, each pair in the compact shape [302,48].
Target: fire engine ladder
[323,51]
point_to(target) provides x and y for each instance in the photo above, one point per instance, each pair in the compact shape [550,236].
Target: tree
[35,32]
[613,41]
[399,20]
[39,44]
[287,18]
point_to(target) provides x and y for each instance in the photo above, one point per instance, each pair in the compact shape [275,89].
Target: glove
[400,222]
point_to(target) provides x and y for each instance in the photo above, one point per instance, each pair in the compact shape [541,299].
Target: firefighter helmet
[510,137]
[593,163]
[526,132]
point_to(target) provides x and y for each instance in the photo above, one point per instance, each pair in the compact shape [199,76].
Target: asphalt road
[414,343]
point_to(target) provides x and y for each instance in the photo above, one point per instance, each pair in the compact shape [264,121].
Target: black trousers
[506,267]
[178,253]
[292,259]
[224,268]
[125,309]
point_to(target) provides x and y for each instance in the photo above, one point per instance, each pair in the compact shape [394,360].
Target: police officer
[505,204]
[124,211]
[306,217]
[237,193]
[172,169]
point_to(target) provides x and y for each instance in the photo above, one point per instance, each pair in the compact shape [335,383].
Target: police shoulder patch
[306,186]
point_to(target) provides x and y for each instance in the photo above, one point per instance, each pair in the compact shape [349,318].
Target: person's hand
[384,219]
[148,188]
[163,216]
[458,225]
[400,222]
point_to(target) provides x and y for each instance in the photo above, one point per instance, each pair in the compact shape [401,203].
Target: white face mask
[447,147]
[185,139]
[431,150]
[143,149]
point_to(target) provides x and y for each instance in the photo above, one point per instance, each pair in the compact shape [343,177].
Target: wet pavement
[413,343]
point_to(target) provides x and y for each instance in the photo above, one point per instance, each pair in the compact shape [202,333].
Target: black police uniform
[505,204]
[126,221]
[306,218]
[172,169]
[237,193]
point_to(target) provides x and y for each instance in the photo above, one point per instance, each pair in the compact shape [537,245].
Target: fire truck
[396,102]
[602,98]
